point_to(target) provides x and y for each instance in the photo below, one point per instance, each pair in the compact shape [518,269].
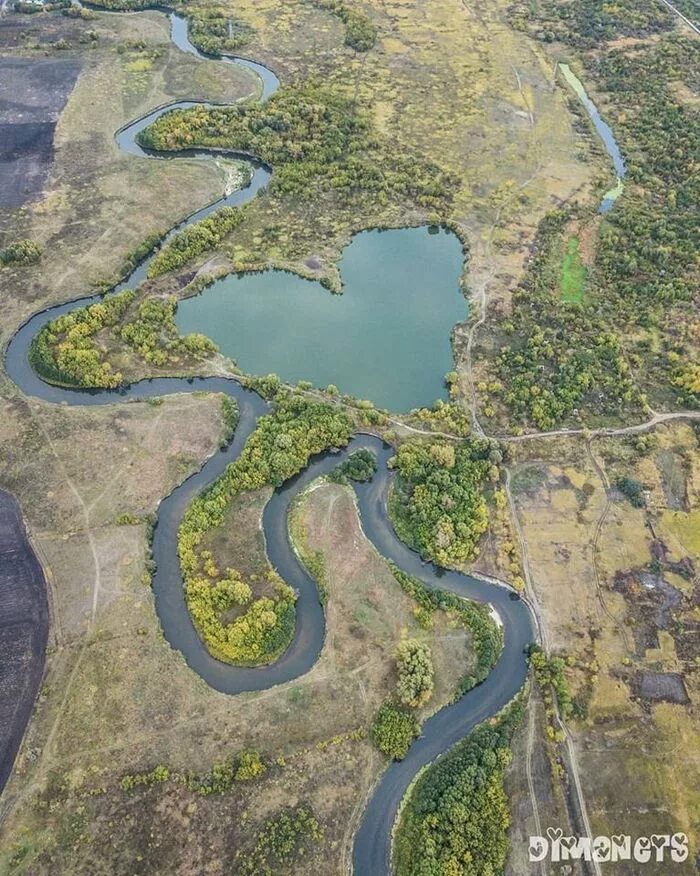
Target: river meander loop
[372,846]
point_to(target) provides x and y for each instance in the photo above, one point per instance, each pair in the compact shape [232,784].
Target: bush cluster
[21,252]
[437,505]
[393,730]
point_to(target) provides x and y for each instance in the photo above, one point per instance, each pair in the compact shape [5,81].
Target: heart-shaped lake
[386,338]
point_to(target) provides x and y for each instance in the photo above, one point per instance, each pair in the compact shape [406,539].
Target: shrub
[393,731]
[278,844]
[632,490]
[416,675]
[20,253]
[250,766]
[360,33]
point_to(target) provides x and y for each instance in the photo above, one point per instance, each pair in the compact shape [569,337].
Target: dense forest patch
[437,505]
[558,355]
[314,136]
[586,24]
[456,818]
[634,336]
[72,349]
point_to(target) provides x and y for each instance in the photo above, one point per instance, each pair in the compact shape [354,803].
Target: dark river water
[386,338]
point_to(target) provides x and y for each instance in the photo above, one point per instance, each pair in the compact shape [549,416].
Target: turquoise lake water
[386,338]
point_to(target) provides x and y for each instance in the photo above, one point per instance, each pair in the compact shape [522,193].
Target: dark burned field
[24,624]
[32,94]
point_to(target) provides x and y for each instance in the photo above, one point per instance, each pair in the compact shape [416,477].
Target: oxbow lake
[386,338]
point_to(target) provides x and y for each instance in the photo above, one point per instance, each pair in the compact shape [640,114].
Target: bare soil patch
[32,95]
[24,625]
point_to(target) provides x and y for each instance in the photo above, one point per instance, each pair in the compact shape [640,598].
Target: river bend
[372,846]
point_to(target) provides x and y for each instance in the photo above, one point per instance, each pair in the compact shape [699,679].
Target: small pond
[386,338]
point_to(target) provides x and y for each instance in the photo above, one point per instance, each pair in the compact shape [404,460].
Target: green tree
[416,675]
[393,730]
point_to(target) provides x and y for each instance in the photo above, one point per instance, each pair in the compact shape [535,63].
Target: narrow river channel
[372,844]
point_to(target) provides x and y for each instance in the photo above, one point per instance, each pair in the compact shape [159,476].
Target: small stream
[606,135]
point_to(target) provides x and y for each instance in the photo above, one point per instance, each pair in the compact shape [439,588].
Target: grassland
[573,273]
[453,82]
[602,571]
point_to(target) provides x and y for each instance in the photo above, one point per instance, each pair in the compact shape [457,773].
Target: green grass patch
[573,274]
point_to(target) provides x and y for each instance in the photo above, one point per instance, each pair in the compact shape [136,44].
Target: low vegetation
[573,273]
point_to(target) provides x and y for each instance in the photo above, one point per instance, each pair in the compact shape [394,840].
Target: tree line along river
[372,844]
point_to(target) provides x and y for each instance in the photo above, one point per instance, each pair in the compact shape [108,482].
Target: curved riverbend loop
[449,725]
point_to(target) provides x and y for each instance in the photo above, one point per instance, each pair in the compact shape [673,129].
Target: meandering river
[371,854]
